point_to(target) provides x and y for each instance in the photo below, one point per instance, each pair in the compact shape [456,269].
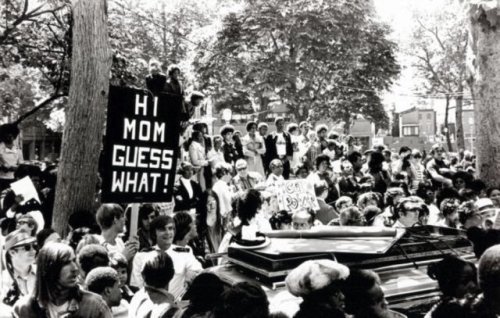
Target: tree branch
[43,104]
[26,16]
[430,68]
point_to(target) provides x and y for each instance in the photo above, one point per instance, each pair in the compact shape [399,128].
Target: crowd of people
[227,184]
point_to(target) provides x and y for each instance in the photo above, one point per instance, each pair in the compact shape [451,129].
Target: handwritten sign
[295,195]
[141,146]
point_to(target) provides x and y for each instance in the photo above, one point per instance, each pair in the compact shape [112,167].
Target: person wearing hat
[19,276]
[488,213]
[438,168]
[253,148]
[228,146]
[319,283]
[280,146]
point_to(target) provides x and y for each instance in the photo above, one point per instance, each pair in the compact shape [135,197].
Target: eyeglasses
[27,247]
[241,168]
[415,210]
[23,222]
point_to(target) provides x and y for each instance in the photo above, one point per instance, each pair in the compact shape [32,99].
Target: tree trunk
[88,95]
[458,118]
[484,26]
[446,114]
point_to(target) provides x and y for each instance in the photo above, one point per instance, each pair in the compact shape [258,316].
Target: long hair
[51,259]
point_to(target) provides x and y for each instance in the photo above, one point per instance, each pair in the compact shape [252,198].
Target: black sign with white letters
[141,146]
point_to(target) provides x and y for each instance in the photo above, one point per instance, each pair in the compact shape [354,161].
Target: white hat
[314,275]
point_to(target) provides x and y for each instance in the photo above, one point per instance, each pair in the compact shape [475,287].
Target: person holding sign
[280,146]
[111,220]
[156,80]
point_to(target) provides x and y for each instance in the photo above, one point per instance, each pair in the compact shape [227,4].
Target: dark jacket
[271,151]
[156,83]
[231,154]
[182,200]
[84,305]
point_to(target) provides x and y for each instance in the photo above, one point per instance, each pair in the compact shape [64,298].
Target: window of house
[419,116]
[429,116]
[410,131]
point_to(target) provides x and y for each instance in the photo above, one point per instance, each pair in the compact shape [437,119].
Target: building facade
[416,122]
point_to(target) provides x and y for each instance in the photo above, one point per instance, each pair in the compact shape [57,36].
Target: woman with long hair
[210,223]
[56,292]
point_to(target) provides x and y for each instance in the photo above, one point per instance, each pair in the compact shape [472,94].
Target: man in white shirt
[186,265]
[111,220]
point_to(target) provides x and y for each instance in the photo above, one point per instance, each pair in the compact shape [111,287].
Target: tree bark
[458,117]
[88,95]
[484,26]
[446,115]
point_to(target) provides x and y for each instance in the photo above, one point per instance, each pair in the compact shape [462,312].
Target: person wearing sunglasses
[19,276]
[408,212]
[245,179]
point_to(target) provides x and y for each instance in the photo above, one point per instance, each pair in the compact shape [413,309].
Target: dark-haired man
[154,300]
[105,282]
[438,168]
[363,295]
[185,264]
[280,146]
[10,155]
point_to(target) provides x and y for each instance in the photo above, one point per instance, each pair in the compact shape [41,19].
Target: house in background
[40,143]
[416,122]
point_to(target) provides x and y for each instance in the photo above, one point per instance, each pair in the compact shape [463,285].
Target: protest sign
[295,195]
[141,146]
[26,188]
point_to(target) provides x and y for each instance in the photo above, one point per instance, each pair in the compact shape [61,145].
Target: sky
[398,14]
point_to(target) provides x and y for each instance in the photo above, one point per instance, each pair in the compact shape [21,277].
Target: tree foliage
[439,47]
[320,58]
[35,50]
[141,30]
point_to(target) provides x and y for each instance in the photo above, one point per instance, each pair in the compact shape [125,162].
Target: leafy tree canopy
[320,58]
